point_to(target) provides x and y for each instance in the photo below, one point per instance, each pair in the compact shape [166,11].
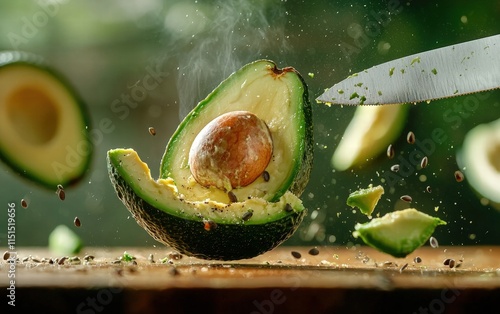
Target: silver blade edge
[455,70]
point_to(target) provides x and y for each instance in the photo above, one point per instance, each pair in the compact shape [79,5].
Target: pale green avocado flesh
[480,159]
[370,131]
[43,122]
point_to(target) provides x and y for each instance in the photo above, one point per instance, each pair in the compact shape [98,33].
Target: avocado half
[479,156]
[43,122]
[206,222]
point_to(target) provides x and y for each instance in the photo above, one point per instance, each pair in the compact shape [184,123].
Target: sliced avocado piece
[231,220]
[370,131]
[398,233]
[43,122]
[64,241]
[480,159]
[366,199]
[205,229]
[278,97]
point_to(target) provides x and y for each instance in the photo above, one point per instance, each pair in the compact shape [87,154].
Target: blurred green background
[105,48]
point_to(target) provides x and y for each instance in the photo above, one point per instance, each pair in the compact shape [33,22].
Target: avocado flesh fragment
[41,115]
[370,131]
[398,233]
[279,98]
[366,199]
[64,241]
[179,223]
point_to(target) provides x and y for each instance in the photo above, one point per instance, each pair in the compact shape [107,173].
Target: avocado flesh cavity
[206,222]
[43,122]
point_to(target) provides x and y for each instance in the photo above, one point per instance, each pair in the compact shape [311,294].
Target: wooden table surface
[337,279]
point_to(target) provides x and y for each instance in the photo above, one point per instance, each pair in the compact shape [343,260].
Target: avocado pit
[231,151]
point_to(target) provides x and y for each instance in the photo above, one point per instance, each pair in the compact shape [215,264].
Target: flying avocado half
[43,122]
[479,156]
[233,171]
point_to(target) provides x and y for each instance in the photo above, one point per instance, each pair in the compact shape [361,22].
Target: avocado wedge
[366,199]
[398,233]
[370,131]
[43,122]
[231,220]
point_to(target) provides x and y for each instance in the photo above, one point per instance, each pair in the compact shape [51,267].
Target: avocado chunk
[370,131]
[366,199]
[64,241]
[398,233]
[43,122]
[480,159]
[198,205]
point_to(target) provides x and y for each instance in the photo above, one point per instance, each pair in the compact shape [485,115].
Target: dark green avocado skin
[222,242]
[300,183]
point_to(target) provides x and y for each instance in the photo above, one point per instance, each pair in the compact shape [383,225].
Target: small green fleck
[340,91]
[353,75]
[380,93]
[311,75]
[127,257]
[164,260]
[456,91]
[415,60]
[391,71]
[402,71]
[362,100]
[359,85]
[434,71]
[354,95]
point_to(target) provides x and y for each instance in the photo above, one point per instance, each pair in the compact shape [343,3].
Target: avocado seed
[231,151]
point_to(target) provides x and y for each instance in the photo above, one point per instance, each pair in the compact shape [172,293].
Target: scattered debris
[314,251]
[433,242]
[406,198]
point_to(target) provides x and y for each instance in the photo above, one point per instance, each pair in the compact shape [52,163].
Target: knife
[459,69]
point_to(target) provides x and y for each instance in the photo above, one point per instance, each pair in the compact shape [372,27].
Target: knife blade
[454,70]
